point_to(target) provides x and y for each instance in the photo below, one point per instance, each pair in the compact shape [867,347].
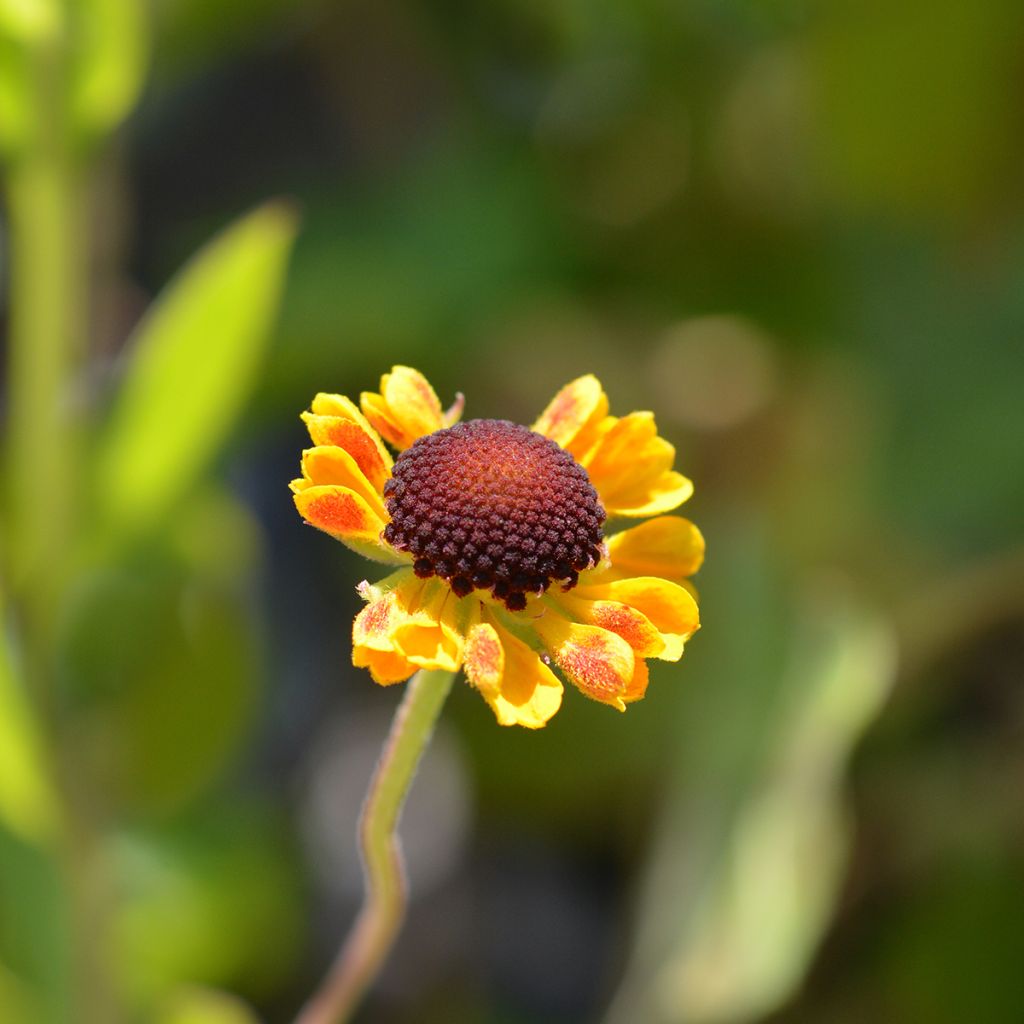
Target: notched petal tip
[631,467]
[574,413]
[339,511]
[511,677]
[346,517]
[342,425]
[406,407]
[598,662]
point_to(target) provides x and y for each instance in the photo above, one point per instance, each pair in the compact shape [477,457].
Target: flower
[503,569]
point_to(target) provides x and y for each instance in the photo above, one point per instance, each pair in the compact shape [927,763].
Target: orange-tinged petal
[373,630]
[374,625]
[381,418]
[669,546]
[347,517]
[429,637]
[406,408]
[484,658]
[340,512]
[638,684]
[631,468]
[597,661]
[633,626]
[386,667]
[327,464]
[356,436]
[574,414]
[518,686]
[667,606]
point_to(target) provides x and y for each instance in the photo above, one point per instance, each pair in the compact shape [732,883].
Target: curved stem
[368,943]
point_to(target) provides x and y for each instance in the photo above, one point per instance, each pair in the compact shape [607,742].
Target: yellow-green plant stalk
[383,911]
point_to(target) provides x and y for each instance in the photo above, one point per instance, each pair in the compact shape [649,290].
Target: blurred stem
[49,281]
[364,951]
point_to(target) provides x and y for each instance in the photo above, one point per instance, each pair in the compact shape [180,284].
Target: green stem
[49,289]
[49,283]
[371,938]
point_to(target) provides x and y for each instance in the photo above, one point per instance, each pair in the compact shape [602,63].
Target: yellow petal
[669,546]
[596,660]
[574,414]
[511,677]
[632,625]
[631,468]
[327,464]
[429,637]
[668,607]
[375,624]
[406,408]
[373,630]
[340,512]
[638,684]
[345,427]
[667,491]
[386,667]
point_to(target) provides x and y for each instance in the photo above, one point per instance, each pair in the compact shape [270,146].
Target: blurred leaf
[212,902]
[193,365]
[29,20]
[745,876]
[159,667]
[947,950]
[17,1006]
[407,264]
[197,32]
[111,43]
[35,943]
[23,25]
[27,802]
[204,1006]
[928,129]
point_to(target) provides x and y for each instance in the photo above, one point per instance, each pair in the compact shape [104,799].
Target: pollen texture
[493,506]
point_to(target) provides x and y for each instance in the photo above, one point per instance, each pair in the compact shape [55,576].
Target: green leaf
[111,41]
[29,20]
[24,26]
[754,835]
[201,899]
[195,360]
[159,662]
[17,1005]
[204,1006]
[27,802]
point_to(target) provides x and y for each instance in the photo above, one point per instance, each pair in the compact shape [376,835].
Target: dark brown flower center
[491,505]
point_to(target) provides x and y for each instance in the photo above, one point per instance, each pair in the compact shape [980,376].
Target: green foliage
[105,42]
[161,667]
[203,1006]
[195,359]
[27,803]
[753,845]
[111,43]
[24,25]
[201,899]
[35,935]
[508,196]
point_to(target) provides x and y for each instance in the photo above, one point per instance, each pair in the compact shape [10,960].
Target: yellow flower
[497,532]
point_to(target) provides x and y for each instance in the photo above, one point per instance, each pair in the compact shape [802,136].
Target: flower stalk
[369,942]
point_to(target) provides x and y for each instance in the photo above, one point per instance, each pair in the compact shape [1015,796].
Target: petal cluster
[633,605]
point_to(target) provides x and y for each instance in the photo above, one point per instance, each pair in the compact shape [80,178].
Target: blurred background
[794,230]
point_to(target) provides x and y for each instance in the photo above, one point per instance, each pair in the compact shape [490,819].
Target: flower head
[497,533]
